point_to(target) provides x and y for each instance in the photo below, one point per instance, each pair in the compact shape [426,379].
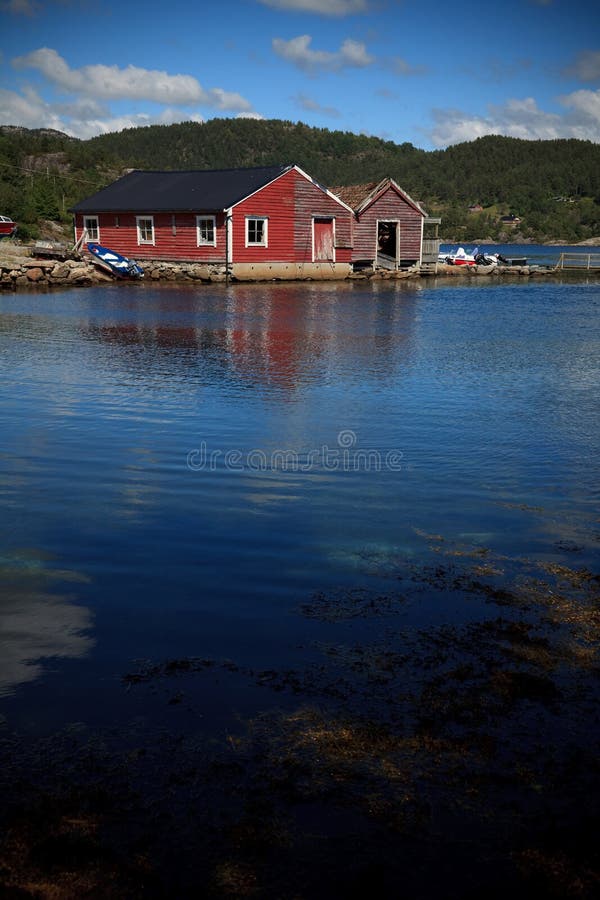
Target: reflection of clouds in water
[34,624]
[137,486]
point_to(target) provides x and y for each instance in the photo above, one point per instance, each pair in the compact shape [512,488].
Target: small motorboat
[462,258]
[459,258]
[7,227]
[114,262]
[496,259]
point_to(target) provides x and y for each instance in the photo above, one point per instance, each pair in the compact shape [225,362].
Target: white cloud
[131,82]
[320,7]
[249,115]
[586,112]
[91,127]
[522,119]
[354,53]
[310,105]
[586,66]
[452,126]
[29,110]
[81,108]
[81,118]
[299,53]
[226,100]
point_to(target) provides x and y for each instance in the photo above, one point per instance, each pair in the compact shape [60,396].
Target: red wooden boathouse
[268,222]
[388,227]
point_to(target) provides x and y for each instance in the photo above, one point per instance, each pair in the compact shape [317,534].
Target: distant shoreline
[589,242]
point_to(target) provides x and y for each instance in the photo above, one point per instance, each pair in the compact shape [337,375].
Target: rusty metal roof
[359,196]
[354,195]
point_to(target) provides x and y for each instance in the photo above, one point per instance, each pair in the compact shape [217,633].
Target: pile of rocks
[470,271]
[18,272]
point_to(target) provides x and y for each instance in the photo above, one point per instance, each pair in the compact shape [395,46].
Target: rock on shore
[20,271]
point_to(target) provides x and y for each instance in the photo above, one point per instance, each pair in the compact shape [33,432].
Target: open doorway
[388,244]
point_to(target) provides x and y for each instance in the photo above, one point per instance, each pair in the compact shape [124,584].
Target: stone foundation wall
[155,270]
[18,273]
[22,272]
[470,271]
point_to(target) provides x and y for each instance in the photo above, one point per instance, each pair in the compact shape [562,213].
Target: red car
[7,227]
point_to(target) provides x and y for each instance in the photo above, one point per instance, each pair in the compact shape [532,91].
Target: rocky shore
[20,271]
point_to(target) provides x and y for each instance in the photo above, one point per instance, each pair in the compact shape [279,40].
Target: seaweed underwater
[454,759]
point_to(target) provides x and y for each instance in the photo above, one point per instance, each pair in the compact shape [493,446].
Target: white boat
[461,257]
[457,257]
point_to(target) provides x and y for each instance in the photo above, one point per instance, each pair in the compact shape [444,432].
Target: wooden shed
[267,222]
[388,227]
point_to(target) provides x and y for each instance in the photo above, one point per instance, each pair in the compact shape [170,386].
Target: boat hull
[459,258]
[115,263]
[7,227]
[451,260]
[480,258]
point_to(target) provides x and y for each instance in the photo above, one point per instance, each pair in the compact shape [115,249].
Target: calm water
[181,469]
[536,254]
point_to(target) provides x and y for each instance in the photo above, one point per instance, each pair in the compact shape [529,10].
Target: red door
[324,251]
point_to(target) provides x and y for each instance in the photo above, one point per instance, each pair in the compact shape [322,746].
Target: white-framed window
[257,231]
[90,224]
[145,229]
[206,231]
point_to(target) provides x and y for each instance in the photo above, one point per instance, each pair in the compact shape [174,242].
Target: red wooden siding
[389,207]
[182,244]
[290,203]
[312,202]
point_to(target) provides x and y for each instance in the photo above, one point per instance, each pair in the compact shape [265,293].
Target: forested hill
[553,186]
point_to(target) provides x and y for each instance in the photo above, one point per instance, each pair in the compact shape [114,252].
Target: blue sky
[430,73]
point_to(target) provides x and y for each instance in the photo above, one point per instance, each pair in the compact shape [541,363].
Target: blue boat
[114,262]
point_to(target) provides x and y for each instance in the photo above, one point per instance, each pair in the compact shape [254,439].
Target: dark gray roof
[202,190]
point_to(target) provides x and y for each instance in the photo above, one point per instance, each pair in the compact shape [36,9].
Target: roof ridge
[195,171]
[182,189]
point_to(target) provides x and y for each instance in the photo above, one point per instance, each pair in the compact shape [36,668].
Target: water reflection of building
[282,335]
